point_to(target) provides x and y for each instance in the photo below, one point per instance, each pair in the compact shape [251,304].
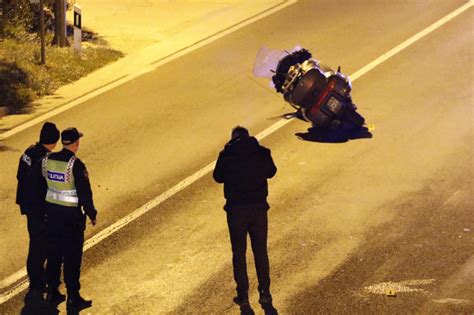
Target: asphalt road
[348,220]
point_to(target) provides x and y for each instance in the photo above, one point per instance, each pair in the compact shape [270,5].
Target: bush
[19,16]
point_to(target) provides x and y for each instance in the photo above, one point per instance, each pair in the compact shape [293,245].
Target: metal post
[43,46]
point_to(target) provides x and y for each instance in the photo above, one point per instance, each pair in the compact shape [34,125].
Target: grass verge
[23,79]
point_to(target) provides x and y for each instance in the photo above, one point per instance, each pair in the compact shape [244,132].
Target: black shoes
[77,302]
[246,310]
[269,309]
[243,302]
[55,297]
[266,303]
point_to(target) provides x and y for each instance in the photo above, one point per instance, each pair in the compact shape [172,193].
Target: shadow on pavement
[75,311]
[214,295]
[339,135]
[13,86]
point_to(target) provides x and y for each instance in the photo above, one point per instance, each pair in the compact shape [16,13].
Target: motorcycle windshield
[267,60]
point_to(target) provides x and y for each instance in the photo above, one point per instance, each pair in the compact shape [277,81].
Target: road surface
[347,220]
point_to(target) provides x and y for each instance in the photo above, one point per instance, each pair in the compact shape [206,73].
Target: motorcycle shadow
[338,135]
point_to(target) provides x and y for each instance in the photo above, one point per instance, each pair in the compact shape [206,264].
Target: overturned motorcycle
[319,94]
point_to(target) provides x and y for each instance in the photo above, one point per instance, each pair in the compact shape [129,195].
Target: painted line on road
[399,287]
[447,201]
[411,40]
[22,285]
[153,66]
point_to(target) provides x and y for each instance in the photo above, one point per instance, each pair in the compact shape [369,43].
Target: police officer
[66,187]
[36,220]
[244,167]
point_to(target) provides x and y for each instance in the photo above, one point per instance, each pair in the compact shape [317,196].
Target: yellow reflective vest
[60,179]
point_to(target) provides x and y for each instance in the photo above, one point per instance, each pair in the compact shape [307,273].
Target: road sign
[77,16]
[77,28]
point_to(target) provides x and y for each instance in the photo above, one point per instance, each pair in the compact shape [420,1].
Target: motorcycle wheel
[335,124]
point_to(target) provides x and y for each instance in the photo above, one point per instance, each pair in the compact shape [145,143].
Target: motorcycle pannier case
[307,89]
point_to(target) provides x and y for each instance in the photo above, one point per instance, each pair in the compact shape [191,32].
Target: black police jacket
[244,167]
[32,155]
[81,180]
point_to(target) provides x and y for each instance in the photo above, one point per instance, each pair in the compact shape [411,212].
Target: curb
[168,53]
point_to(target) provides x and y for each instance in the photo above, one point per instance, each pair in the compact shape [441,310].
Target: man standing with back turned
[244,167]
[63,184]
[36,220]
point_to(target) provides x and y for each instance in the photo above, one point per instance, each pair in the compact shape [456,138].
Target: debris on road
[390,293]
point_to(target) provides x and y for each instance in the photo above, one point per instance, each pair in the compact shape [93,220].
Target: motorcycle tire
[354,118]
[335,124]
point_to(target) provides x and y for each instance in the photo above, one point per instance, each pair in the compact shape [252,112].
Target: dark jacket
[244,167]
[33,154]
[81,179]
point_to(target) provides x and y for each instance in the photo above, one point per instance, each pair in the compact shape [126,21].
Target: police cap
[70,135]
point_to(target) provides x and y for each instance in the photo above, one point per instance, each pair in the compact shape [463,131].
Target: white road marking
[452,301]
[399,287]
[411,40]
[153,67]
[447,201]
[14,277]
[204,171]
[450,198]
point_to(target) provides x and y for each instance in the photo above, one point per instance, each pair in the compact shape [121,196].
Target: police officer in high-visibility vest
[68,199]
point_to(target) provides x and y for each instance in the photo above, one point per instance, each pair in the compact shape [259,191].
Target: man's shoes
[246,310]
[266,303]
[55,297]
[77,302]
[243,302]
[269,309]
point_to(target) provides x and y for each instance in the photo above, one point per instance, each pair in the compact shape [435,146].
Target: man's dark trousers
[37,251]
[66,239]
[255,223]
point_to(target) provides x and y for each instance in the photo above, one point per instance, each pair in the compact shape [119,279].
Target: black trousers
[36,251]
[66,239]
[255,224]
